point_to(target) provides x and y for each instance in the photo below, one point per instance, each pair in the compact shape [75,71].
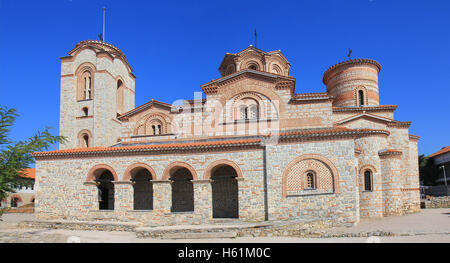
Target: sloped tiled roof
[29,173]
[441,151]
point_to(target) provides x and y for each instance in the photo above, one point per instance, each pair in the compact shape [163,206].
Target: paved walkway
[428,226]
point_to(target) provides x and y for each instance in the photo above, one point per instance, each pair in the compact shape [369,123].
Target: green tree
[16,156]
[428,172]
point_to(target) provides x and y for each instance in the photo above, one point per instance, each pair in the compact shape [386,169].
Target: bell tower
[97,86]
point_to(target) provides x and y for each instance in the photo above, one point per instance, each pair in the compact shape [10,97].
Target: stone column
[202,201]
[242,193]
[391,187]
[162,201]
[90,197]
[123,197]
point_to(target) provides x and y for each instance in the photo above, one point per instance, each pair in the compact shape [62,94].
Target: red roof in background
[29,173]
[441,151]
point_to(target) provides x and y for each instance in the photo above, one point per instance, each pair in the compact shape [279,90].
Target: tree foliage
[16,156]
[428,171]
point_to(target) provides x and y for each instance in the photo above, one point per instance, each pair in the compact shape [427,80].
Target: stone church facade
[253,149]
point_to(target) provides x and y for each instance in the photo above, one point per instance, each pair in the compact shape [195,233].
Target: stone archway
[182,189]
[142,189]
[224,187]
[105,190]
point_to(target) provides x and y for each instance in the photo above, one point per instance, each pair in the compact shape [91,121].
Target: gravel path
[428,226]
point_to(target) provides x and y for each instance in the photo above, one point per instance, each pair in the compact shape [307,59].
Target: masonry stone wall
[339,206]
[62,190]
[371,201]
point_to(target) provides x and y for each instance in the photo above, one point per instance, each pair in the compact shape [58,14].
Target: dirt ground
[428,226]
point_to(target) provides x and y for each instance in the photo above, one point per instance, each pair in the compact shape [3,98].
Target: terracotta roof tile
[29,173]
[441,151]
[148,147]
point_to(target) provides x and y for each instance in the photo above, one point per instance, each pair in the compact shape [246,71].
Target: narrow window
[367,181]
[120,97]
[243,112]
[311,184]
[86,140]
[86,111]
[159,129]
[88,89]
[361,97]
[253,112]
[154,129]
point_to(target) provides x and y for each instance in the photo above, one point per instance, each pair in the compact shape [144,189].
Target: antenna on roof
[101,36]
[255,37]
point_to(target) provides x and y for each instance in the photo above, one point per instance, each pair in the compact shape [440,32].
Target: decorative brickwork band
[207,174]
[128,172]
[166,174]
[100,167]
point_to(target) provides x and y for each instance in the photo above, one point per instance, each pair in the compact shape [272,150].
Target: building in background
[24,195]
[441,159]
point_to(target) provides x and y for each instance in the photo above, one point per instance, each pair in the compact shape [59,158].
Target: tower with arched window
[97,86]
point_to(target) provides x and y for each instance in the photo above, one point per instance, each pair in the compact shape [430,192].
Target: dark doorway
[182,190]
[105,190]
[14,202]
[143,190]
[224,192]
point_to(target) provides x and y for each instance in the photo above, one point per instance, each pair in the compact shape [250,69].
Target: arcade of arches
[222,177]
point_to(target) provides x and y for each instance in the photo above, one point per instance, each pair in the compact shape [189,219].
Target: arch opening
[224,188]
[105,187]
[142,189]
[182,190]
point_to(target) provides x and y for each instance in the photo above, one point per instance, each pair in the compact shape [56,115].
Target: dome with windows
[253,58]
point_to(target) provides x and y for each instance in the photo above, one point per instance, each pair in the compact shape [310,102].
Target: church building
[253,149]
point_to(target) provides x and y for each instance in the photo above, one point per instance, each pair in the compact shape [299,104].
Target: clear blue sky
[176,46]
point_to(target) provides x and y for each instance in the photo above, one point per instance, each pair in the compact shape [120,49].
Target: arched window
[120,97]
[361,97]
[84,139]
[310,180]
[253,65]
[276,69]
[368,180]
[86,85]
[253,115]
[243,112]
[85,81]
[248,109]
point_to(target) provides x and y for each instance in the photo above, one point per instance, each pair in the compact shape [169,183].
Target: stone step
[226,221]
[201,235]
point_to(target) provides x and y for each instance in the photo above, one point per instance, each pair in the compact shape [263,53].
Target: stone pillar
[247,213]
[123,197]
[90,197]
[202,201]
[162,201]
[391,184]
